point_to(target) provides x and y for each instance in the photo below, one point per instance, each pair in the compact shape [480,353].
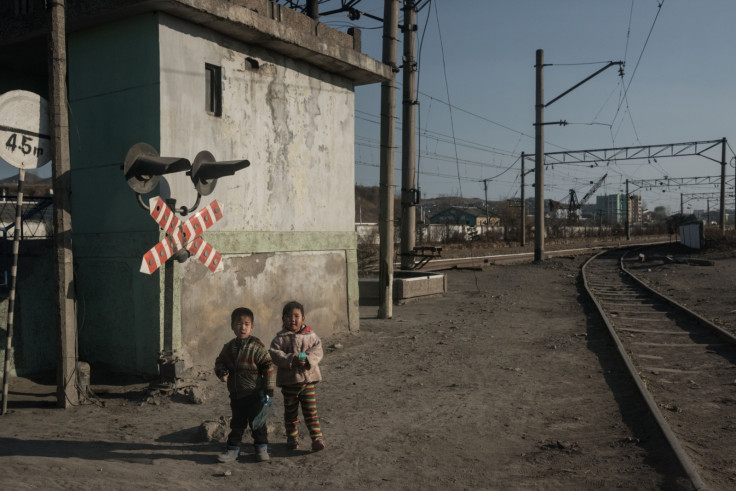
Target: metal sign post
[25,144]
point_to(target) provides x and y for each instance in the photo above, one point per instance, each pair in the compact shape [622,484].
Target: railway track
[683,365]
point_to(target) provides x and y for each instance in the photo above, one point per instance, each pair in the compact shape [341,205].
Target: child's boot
[230,454]
[262,452]
[292,442]
[318,444]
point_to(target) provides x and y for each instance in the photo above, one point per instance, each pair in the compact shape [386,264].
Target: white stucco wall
[288,226]
[294,122]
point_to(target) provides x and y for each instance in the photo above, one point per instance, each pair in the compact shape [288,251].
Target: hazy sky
[479,56]
[477,87]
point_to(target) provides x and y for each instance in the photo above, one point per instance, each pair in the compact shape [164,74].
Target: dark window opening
[213,89]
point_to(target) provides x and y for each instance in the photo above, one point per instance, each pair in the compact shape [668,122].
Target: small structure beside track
[408,285]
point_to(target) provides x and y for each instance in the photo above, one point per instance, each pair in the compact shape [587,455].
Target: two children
[296,351]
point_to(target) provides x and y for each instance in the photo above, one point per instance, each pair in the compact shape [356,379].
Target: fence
[36,223]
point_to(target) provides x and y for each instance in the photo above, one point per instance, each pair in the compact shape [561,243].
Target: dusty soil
[508,381]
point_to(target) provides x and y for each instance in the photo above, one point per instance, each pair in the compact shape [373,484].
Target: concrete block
[407,285]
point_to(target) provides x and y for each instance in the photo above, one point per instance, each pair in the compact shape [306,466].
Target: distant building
[635,209]
[460,215]
[611,208]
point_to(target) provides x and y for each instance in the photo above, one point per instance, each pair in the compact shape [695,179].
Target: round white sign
[25,142]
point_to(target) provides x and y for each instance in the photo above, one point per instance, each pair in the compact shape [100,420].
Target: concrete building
[635,209]
[611,208]
[243,79]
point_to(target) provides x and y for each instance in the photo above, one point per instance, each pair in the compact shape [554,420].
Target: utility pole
[523,203]
[539,146]
[707,208]
[386,189]
[722,218]
[485,192]
[66,392]
[312,9]
[626,218]
[408,193]
[539,161]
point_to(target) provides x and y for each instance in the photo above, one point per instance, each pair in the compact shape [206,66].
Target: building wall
[114,103]
[34,337]
[288,230]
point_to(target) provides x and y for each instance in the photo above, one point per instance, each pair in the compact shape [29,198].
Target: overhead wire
[419,112]
[447,89]
[456,142]
[641,54]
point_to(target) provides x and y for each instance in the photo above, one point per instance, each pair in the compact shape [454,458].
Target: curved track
[685,368]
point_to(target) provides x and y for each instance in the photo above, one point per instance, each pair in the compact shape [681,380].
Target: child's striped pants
[293,396]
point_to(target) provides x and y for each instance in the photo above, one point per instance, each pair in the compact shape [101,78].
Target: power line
[419,112]
[447,89]
[659,9]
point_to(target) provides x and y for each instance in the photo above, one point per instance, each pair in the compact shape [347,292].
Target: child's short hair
[242,311]
[291,306]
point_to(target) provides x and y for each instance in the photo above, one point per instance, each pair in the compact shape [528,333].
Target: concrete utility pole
[627,226]
[722,218]
[408,193]
[539,161]
[523,203]
[539,145]
[66,392]
[312,9]
[386,189]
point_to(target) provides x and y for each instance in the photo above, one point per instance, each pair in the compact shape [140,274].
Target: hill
[33,185]
[367,204]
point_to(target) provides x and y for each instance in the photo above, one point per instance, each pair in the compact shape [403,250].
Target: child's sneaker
[318,444]
[262,453]
[292,442]
[229,455]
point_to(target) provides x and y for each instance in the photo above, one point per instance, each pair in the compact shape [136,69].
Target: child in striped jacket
[296,351]
[246,364]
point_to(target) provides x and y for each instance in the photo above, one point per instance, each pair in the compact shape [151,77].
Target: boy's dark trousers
[244,411]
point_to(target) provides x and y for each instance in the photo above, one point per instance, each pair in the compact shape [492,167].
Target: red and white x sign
[180,235]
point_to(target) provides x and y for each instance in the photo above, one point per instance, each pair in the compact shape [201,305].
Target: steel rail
[725,335]
[682,456]
[515,258]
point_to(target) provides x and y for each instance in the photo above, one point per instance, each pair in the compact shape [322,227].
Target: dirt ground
[508,381]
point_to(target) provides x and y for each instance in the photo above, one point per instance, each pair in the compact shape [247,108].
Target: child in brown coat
[247,366]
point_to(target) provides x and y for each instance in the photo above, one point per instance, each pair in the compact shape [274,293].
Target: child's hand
[221,374]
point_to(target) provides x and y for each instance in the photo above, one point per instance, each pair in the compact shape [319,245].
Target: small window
[213,89]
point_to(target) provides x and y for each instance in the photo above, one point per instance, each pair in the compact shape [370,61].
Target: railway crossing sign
[182,235]
[24,129]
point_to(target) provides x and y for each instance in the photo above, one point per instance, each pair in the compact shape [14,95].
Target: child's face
[242,326]
[293,322]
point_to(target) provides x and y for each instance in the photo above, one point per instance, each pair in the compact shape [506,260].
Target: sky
[476,84]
